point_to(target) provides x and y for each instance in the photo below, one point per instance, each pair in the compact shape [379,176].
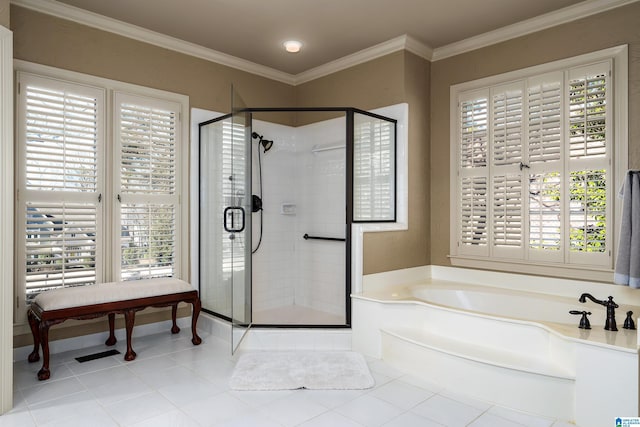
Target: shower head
[266,143]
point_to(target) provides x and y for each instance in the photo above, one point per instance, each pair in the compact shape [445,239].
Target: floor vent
[95,356]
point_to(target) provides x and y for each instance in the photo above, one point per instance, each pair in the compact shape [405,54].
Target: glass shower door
[225,221]
[215,273]
[238,220]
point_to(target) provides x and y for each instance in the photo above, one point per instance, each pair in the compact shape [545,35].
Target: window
[534,164]
[374,174]
[84,200]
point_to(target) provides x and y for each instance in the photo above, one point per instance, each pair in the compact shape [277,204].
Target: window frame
[618,57]
[109,247]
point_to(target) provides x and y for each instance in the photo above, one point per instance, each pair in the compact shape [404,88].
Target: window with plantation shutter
[506,132]
[60,147]
[73,228]
[374,175]
[147,141]
[533,167]
[473,192]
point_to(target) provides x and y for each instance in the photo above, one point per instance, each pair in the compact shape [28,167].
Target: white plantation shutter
[373,169]
[545,216]
[60,245]
[507,125]
[507,212]
[545,118]
[147,141]
[474,144]
[473,213]
[547,102]
[60,150]
[590,144]
[473,234]
[506,134]
[534,158]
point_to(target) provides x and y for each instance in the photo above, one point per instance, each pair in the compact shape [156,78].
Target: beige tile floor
[172,383]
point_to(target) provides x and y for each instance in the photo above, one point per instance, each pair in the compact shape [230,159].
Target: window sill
[579,272]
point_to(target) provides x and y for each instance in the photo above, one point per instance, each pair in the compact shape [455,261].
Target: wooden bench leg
[34,323]
[44,373]
[129,319]
[196,340]
[174,310]
[112,336]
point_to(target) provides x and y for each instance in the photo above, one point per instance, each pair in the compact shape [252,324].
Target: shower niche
[279,190]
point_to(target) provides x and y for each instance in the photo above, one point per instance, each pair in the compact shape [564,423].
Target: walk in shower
[279,190]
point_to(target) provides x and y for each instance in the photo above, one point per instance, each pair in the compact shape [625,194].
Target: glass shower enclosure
[275,247]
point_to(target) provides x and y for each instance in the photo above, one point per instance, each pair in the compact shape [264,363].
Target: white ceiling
[254,30]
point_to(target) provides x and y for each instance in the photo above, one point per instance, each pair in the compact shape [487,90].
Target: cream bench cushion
[102,293]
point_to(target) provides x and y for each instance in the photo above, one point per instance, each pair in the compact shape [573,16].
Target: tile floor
[172,383]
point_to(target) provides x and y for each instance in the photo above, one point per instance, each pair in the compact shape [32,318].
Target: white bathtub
[531,306]
[515,348]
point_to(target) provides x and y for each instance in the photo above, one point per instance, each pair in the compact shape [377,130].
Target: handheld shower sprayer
[257,200]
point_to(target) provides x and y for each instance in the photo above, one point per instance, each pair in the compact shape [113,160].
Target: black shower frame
[349,129]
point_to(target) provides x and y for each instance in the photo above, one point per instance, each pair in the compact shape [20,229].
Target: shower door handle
[233,219]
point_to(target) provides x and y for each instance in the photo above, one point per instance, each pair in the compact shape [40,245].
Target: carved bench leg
[112,336]
[129,319]
[174,310]
[34,323]
[196,340]
[44,373]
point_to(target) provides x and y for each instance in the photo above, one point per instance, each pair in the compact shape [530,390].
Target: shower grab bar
[336,239]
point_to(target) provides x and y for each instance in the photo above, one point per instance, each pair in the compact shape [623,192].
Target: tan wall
[395,250]
[64,44]
[392,79]
[4,13]
[608,29]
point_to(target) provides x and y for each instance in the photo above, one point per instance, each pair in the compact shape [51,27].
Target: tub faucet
[610,324]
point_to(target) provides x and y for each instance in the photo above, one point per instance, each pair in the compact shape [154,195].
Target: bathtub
[476,333]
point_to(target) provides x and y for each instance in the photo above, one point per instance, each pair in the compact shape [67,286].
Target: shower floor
[296,315]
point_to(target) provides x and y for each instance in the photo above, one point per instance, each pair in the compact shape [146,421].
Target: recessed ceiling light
[292,46]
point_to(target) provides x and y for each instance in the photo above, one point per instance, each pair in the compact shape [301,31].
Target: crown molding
[404,42]
[522,28]
[91,19]
[84,17]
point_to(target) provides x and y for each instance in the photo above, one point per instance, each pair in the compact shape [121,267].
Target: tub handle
[584,320]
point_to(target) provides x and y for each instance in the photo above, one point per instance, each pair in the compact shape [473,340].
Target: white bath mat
[317,370]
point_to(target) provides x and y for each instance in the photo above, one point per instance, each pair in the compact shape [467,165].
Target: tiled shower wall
[303,192]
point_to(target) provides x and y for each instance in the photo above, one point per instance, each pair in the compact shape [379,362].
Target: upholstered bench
[107,299]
